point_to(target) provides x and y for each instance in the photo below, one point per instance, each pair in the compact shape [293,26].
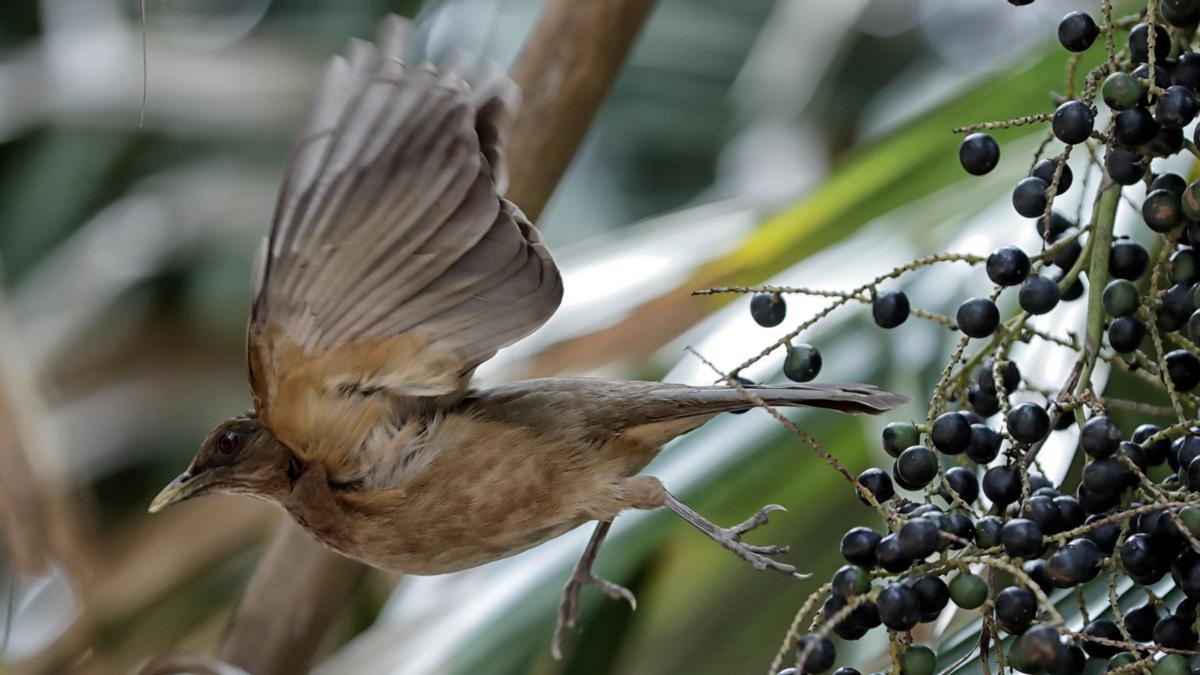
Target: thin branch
[279,624]
[569,63]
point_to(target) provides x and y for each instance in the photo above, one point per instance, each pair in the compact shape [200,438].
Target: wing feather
[394,266]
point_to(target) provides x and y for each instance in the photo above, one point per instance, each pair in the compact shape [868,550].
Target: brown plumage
[393,269]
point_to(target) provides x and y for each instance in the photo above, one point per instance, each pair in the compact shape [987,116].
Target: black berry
[1171,182]
[768,309]
[984,445]
[1177,303]
[1101,437]
[1010,375]
[1022,538]
[802,363]
[1125,334]
[1128,260]
[1139,43]
[1038,295]
[1072,122]
[1104,536]
[964,483]
[878,483]
[1050,230]
[849,581]
[917,465]
[1183,367]
[1126,167]
[978,317]
[1105,476]
[979,154]
[1185,266]
[987,531]
[1077,31]
[932,596]
[918,538]
[1133,127]
[887,552]
[1181,13]
[1183,450]
[1161,210]
[1016,608]
[1008,266]
[1187,66]
[1029,197]
[1066,256]
[1166,143]
[1102,628]
[1140,622]
[1028,423]
[1176,107]
[1002,485]
[858,546]
[1156,452]
[1174,632]
[1040,645]
[1045,169]
[815,654]
[899,607]
[1189,201]
[890,309]
[951,432]
[983,403]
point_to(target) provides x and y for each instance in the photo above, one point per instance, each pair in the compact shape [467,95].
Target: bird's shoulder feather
[394,267]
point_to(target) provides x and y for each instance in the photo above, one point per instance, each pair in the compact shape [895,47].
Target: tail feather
[609,406]
[673,410]
[855,399]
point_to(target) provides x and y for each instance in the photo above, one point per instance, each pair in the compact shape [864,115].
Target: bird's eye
[229,442]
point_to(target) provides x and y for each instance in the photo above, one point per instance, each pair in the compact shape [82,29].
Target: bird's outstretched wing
[394,267]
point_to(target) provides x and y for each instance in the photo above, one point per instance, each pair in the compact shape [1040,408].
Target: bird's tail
[664,411]
[600,406]
[685,401]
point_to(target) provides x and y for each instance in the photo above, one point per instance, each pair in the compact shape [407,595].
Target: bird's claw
[757,520]
[771,549]
[568,607]
[615,591]
[758,556]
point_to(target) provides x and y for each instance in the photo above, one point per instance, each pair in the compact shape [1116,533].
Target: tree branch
[569,63]
[291,602]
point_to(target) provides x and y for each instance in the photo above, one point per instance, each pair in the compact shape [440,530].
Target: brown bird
[394,267]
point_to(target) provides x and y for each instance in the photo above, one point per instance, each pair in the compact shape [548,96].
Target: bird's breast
[485,490]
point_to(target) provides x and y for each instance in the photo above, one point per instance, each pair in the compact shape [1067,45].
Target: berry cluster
[966,517]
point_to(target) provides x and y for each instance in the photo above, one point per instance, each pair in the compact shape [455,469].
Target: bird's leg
[731,537]
[568,607]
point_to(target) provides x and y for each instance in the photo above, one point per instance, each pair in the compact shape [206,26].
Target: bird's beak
[183,487]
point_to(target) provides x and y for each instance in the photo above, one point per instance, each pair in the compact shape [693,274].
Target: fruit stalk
[1103,217]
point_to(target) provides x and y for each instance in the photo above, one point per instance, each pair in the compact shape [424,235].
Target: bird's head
[239,456]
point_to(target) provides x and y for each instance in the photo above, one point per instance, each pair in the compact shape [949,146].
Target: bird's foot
[759,557]
[568,607]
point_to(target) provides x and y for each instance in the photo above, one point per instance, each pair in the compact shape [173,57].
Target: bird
[393,268]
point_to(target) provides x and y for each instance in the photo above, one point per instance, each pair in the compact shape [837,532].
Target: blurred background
[800,142]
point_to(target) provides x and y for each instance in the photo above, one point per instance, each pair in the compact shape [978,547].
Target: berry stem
[793,633]
[1159,353]
[1103,218]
